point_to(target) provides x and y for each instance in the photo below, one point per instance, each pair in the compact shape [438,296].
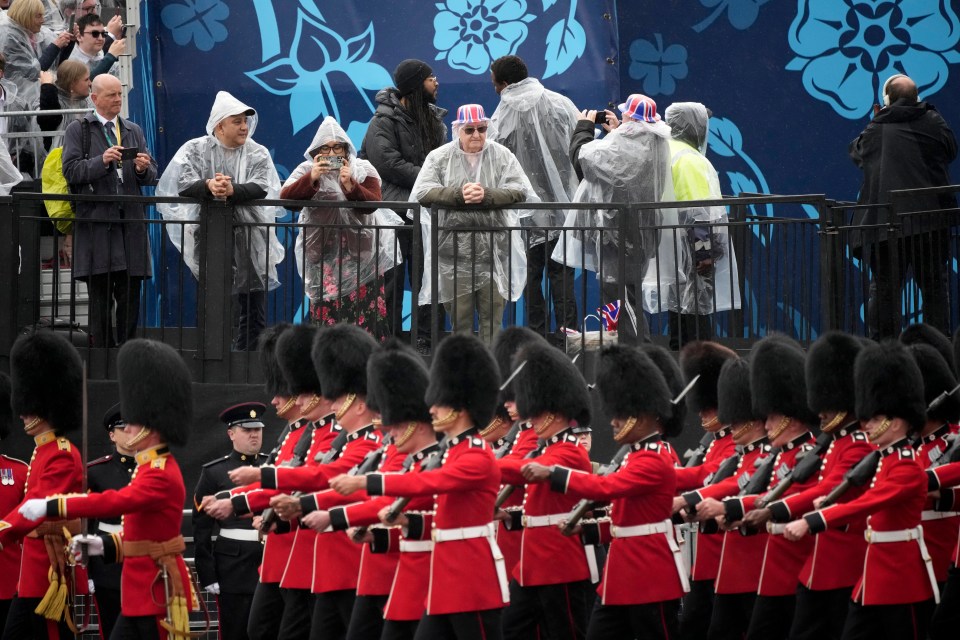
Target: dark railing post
[9,266]
[435,277]
[28,239]
[831,266]
[214,317]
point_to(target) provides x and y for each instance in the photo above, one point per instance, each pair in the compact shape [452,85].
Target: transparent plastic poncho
[335,261]
[256,250]
[23,59]
[630,165]
[537,125]
[497,256]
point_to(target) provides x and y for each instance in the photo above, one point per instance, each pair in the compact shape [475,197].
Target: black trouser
[657,620]
[558,611]
[249,318]
[136,628]
[926,256]
[820,614]
[687,327]
[696,610]
[560,290]
[234,615]
[394,286]
[731,616]
[772,616]
[279,613]
[104,289]
[946,619]
[470,625]
[399,629]
[24,624]
[889,621]
[628,333]
[108,609]
[331,614]
[366,620]
[4,609]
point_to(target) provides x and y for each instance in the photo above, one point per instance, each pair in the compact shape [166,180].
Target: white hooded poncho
[536,125]
[672,282]
[493,167]
[630,165]
[344,246]
[257,252]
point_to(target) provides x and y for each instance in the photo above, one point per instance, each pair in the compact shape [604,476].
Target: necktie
[110,131]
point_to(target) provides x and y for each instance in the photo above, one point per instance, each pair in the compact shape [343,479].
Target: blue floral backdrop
[789,83]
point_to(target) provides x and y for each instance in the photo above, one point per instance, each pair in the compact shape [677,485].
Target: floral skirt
[366,307]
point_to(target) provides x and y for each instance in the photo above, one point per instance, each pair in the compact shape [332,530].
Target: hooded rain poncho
[341,258]
[482,256]
[256,252]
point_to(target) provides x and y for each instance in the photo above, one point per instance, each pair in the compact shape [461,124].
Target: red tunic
[13,480]
[152,510]
[55,467]
[939,532]
[893,572]
[508,538]
[548,556]
[641,492]
[465,490]
[944,479]
[837,558]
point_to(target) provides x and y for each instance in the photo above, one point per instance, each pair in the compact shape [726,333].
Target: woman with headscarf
[226,164]
[342,253]
[695,274]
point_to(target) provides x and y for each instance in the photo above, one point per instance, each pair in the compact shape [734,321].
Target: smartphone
[335,162]
[129,153]
[123,31]
[601,117]
[70,25]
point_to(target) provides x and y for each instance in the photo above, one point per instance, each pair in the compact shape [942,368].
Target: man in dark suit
[228,567]
[105,154]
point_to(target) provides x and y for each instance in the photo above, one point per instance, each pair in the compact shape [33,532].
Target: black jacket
[393,146]
[906,146]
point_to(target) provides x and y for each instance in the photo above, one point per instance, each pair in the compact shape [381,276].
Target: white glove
[90,586]
[213,588]
[93,543]
[34,509]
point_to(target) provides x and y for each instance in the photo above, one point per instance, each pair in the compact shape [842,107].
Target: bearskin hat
[671,374]
[734,400]
[777,379]
[274,382]
[155,389]
[506,345]
[293,355]
[397,382]
[550,383]
[937,379]
[889,382]
[703,358]
[47,380]
[6,411]
[464,376]
[928,334]
[340,355]
[829,372]
[631,385]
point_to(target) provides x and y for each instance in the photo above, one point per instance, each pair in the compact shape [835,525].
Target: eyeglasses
[95,34]
[470,130]
[330,148]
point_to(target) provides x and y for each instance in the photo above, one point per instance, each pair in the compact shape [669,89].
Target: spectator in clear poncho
[226,164]
[70,90]
[695,274]
[342,266]
[536,124]
[478,271]
[631,165]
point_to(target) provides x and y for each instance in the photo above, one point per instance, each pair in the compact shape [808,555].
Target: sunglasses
[95,34]
[469,130]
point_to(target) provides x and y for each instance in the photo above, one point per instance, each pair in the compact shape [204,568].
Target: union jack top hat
[470,114]
[640,107]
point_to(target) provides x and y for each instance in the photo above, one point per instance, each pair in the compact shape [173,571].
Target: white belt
[244,535]
[905,535]
[416,546]
[776,528]
[591,552]
[938,515]
[552,520]
[106,527]
[665,528]
[488,531]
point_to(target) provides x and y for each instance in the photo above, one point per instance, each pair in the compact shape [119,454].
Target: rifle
[507,490]
[508,441]
[370,463]
[857,476]
[807,464]
[950,454]
[300,452]
[433,462]
[581,508]
[695,456]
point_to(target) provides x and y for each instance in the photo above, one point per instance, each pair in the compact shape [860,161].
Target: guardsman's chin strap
[625,429]
[137,439]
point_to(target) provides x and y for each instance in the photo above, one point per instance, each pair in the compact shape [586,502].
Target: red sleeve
[723,489]
[366,191]
[689,478]
[151,487]
[317,477]
[801,502]
[303,189]
[364,513]
[903,481]
[947,475]
[567,455]
[471,467]
[648,471]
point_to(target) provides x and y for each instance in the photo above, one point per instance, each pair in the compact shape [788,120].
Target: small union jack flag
[610,313]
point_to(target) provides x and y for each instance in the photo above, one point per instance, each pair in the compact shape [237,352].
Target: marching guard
[13,481]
